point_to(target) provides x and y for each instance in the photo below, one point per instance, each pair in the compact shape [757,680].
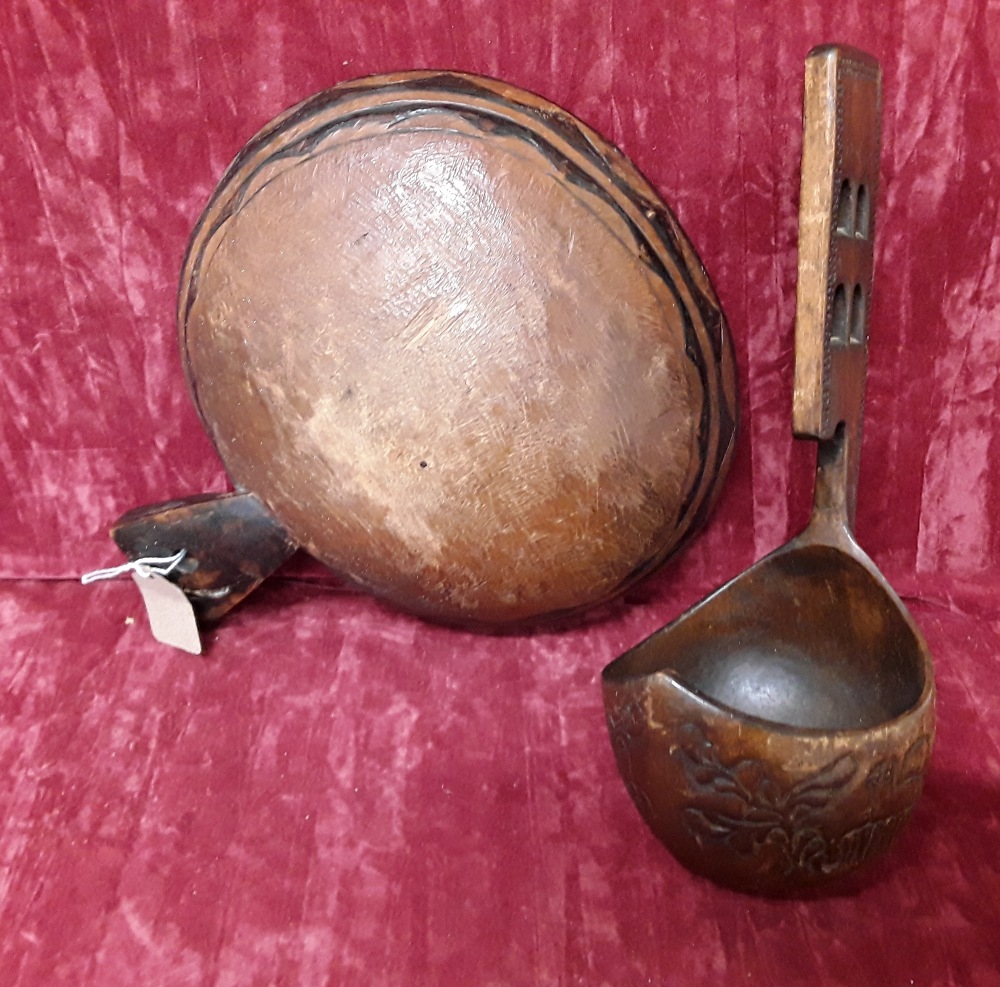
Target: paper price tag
[171,616]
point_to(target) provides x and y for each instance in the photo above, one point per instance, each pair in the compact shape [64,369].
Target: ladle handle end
[840,164]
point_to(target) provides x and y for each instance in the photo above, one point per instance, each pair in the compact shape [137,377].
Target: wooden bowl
[457,348]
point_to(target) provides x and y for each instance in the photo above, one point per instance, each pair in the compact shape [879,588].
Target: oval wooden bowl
[457,348]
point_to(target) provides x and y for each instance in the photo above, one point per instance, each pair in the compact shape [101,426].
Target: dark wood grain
[232,543]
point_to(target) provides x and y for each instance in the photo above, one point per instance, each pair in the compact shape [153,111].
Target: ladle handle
[840,163]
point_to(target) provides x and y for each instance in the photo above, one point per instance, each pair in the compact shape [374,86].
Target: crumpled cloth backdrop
[339,794]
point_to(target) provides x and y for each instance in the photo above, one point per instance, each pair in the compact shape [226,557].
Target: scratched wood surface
[459,347]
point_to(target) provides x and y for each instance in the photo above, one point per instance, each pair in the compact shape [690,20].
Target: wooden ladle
[776,736]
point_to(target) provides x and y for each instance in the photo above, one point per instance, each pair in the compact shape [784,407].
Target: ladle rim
[926,698]
[846,545]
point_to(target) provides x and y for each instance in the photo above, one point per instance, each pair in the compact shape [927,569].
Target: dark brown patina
[776,736]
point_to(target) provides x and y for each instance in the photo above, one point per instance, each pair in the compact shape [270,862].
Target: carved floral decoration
[746,806]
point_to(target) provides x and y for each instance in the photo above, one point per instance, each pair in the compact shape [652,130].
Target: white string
[145,567]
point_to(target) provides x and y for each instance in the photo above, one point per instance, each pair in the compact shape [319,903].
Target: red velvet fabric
[339,794]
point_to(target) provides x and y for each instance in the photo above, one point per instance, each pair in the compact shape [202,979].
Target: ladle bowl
[776,737]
